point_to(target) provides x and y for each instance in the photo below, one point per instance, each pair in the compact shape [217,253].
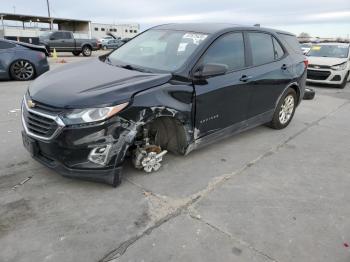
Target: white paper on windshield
[182,47]
[196,38]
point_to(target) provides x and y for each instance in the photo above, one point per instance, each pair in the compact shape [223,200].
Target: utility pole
[48,12]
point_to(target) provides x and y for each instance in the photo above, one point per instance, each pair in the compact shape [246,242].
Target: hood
[91,83]
[325,61]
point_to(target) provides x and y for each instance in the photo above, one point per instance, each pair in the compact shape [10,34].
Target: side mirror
[211,69]
[52,38]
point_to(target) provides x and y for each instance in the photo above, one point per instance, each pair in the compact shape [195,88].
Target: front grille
[319,66]
[317,75]
[39,124]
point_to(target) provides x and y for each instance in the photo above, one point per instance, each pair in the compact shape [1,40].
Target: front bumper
[67,151]
[326,76]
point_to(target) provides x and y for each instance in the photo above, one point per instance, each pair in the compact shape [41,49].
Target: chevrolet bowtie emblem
[30,103]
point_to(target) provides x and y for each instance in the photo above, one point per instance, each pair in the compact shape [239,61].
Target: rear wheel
[76,53]
[285,109]
[22,70]
[87,51]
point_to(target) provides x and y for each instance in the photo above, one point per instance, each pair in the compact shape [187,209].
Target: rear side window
[292,42]
[278,49]
[6,45]
[262,48]
[227,50]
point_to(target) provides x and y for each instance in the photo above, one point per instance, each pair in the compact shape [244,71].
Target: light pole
[48,12]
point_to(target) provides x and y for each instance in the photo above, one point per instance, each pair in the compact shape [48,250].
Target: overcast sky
[321,18]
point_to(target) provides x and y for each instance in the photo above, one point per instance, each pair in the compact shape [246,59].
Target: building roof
[35,18]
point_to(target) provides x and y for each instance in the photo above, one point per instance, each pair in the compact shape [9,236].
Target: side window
[58,35]
[6,45]
[278,49]
[292,42]
[227,50]
[66,35]
[262,48]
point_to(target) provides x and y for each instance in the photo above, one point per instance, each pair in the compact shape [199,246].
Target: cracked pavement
[262,195]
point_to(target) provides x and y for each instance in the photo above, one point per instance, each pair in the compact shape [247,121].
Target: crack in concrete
[243,243]
[170,208]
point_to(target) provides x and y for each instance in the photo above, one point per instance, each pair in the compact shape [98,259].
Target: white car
[329,64]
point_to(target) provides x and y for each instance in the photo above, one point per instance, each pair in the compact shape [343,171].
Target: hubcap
[87,51]
[287,109]
[23,70]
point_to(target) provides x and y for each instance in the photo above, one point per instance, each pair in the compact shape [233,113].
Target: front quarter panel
[173,99]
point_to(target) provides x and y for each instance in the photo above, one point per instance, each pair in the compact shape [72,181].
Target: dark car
[64,41]
[22,61]
[174,88]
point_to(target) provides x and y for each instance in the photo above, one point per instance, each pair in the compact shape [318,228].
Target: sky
[321,18]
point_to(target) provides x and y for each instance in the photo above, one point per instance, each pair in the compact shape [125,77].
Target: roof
[34,18]
[211,28]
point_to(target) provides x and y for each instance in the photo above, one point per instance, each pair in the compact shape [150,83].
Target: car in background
[175,87]
[21,61]
[305,47]
[64,41]
[112,44]
[329,64]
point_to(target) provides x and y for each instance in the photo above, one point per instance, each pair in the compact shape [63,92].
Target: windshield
[160,50]
[338,51]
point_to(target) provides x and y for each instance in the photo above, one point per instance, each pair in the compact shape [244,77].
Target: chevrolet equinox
[174,87]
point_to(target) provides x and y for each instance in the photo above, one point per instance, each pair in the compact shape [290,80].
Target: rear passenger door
[270,71]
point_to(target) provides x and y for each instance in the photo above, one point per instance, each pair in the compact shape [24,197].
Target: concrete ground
[263,195]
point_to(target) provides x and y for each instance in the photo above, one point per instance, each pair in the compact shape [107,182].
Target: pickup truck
[64,41]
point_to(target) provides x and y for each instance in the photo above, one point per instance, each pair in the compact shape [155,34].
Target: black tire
[22,70]
[309,94]
[278,121]
[104,47]
[87,51]
[76,53]
[343,84]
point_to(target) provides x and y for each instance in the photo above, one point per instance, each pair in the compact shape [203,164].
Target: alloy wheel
[286,110]
[23,70]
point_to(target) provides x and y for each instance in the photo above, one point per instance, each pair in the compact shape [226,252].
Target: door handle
[245,78]
[284,67]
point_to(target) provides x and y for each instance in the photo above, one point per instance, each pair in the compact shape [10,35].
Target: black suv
[174,88]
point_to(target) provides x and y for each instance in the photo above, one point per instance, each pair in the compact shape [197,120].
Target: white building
[28,28]
[119,30]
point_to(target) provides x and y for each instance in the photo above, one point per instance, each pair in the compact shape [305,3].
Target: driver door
[222,101]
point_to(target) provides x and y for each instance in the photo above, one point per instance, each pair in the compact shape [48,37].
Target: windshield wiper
[130,67]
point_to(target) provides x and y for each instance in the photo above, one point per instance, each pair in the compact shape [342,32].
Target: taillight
[306,63]
[41,55]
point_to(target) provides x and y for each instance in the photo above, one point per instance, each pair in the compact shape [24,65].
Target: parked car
[175,87]
[64,41]
[329,64]
[22,61]
[305,47]
[112,44]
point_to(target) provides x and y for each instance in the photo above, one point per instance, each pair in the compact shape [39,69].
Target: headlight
[340,66]
[89,115]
